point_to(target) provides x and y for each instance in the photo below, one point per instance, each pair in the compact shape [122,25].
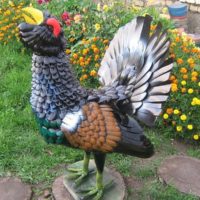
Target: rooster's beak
[32,15]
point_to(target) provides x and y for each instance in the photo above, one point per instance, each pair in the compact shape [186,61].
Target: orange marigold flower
[96,50]
[96,57]
[179,61]
[85,76]
[175,81]
[93,73]
[106,41]
[195,50]
[172,77]
[75,56]
[169,111]
[81,59]
[174,87]
[177,39]
[95,39]
[82,64]
[183,70]
[194,79]
[87,62]
[172,55]
[192,65]
[93,46]
[153,27]
[183,90]
[185,76]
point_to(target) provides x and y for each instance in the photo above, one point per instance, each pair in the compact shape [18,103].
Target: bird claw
[78,174]
[94,192]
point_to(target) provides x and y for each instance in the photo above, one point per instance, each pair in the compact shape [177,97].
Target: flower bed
[182,113]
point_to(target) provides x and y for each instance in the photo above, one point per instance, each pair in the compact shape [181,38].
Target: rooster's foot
[94,193]
[78,174]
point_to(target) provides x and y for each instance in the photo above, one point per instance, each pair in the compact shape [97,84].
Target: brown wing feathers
[98,131]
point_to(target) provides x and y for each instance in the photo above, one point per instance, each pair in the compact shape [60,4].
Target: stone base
[182,172]
[13,189]
[63,189]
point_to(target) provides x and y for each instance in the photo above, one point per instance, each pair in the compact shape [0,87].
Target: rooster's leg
[79,174]
[97,191]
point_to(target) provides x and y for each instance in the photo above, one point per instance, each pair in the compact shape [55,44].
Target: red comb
[56,26]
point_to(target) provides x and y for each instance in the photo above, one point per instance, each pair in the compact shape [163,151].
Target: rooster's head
[41,32]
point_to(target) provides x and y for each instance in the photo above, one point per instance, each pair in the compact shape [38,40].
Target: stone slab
[63,189]
[181,172]
[13,189]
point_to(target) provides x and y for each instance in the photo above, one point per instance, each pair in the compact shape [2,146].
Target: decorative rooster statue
[134,74]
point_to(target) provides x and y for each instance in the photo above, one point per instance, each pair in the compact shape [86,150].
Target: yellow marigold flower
[85,52]
[165,116]
[183,82]
[93,73]
[68,51]
[179,128]
[97,27]
[71,40]
[183,117]
[176,111]
[174,87]
[195,137]
[105,8]
[97,65]
[180,61]
[190,61]
[189,126]
[190,91]
[169,111]
[194,73]
[199,84]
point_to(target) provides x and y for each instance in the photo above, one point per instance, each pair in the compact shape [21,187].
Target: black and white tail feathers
[137,60]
